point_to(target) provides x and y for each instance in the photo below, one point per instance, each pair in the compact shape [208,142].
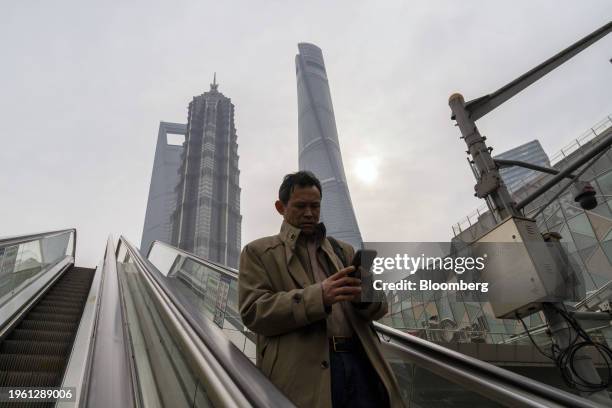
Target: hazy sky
[84,85]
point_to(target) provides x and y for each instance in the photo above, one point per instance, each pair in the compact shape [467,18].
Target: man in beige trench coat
[314,338]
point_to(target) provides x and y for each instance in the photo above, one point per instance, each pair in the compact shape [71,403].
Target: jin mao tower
[207,219]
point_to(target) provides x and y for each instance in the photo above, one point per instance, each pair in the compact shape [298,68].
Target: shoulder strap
[338,250]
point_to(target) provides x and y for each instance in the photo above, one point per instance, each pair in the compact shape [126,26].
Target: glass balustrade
[23,260]
[208,289]
[164,376]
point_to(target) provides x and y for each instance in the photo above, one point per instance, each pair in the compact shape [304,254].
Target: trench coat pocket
[269,354]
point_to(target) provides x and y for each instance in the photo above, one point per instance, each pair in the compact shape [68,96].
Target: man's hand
[340,287]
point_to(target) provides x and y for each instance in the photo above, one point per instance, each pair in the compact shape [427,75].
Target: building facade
[531,152]
[162,191]
[319,149]
[207,220]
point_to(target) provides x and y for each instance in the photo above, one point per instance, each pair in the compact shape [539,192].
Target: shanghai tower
[319,150]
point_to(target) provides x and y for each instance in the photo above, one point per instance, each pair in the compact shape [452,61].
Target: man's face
[303,208]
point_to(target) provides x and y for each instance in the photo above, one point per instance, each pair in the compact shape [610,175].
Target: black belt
[344,344]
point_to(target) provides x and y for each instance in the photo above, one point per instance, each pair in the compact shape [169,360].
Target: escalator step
[35,347]
[28,404]
[71,296]
[57,303]
[49,317]
[35,352]
[25,362]
[69,287]
[71,290]
[71,284]
[21,334]
[58,298]
[56,309]
[47,326]
[26,378]
[73,280]
[61,295]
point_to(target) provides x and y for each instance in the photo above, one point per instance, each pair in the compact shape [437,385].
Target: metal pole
[489,182]
[483,105]
[594,151]
[506,163]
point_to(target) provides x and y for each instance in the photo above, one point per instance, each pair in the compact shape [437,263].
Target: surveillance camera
[585,195]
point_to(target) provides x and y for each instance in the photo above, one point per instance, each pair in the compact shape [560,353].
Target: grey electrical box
[523,270]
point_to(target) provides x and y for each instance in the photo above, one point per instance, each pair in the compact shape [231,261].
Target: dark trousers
[354,382]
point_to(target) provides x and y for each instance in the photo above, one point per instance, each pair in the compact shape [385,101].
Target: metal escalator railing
[505,387]
[178,358]
[430,375]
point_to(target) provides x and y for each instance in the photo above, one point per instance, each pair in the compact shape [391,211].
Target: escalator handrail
[226,270]
[467,366]
[20,239]
[108,351]
[254,386]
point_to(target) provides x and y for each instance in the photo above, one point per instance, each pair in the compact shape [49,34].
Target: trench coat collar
[289,235]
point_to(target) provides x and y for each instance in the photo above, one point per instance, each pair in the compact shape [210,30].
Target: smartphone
[362,260]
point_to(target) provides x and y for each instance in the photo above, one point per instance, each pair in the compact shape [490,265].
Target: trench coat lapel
[297,270]
[331,255]
[289,235]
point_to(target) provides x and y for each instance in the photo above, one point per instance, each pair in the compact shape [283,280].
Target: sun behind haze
[366,170]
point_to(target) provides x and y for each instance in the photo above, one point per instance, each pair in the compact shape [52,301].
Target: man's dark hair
[300,178]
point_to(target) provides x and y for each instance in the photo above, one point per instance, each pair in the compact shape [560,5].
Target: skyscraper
[207,218]
[531,152]
[319,150]
[164,179]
